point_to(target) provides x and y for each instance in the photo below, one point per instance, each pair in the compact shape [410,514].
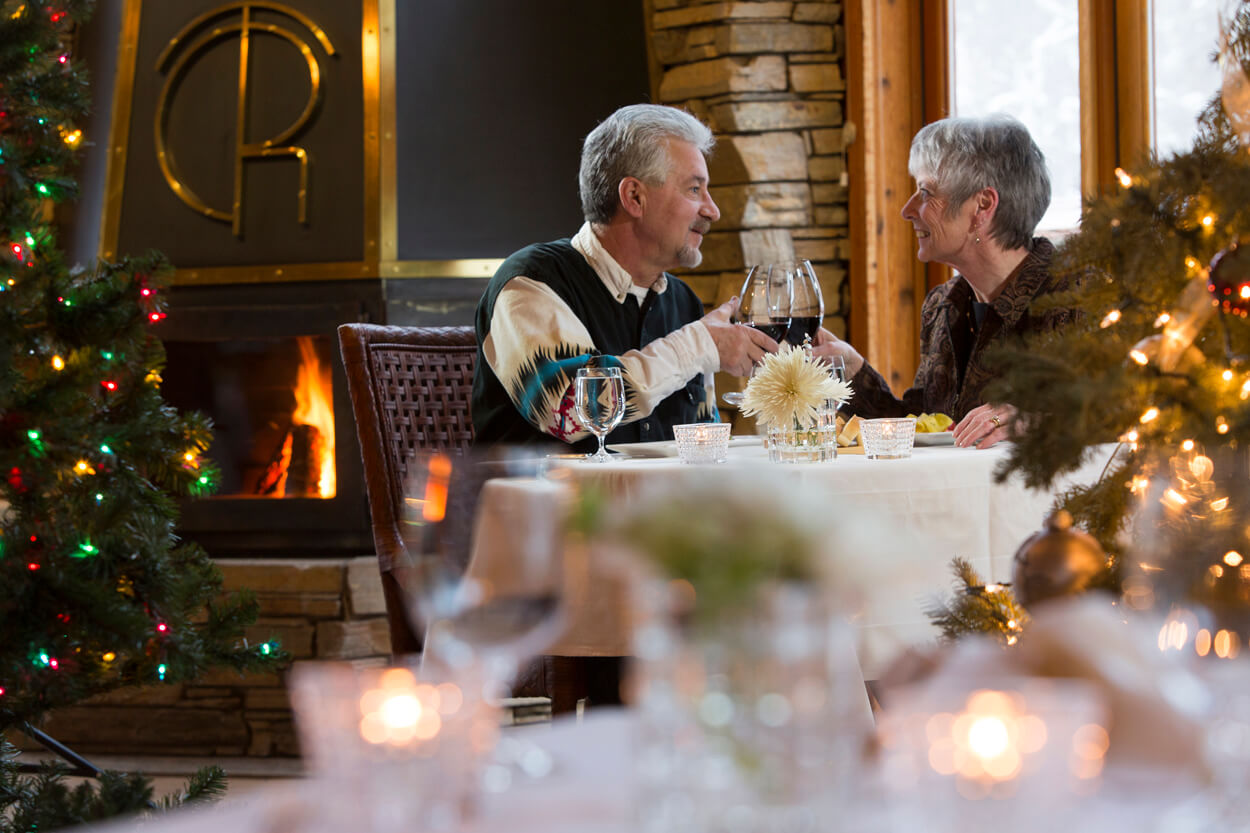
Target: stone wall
[322,610]
[768,78]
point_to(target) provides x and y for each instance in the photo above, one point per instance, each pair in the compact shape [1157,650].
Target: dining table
[910,517]
[592,787]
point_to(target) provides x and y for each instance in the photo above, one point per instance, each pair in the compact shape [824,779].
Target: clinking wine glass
[807,307]
[599,404]
[764,303]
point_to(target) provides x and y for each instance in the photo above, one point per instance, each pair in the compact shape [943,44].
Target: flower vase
[814,440]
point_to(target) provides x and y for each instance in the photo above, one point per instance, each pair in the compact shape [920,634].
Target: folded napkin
[1154,699]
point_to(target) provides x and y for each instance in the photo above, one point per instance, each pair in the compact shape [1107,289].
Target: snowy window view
[1022,59]
[1183,75]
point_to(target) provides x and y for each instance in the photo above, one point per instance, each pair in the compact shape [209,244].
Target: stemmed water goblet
[764,303]
[599,405]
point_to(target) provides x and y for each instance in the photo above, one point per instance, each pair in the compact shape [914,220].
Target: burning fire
[313,406]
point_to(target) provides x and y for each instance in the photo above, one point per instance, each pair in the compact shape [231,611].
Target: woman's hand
[828,345]
[984,426]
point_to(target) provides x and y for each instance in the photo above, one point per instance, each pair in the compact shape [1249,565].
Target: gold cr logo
[217,29]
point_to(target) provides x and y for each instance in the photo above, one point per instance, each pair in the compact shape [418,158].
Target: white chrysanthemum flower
[789,386]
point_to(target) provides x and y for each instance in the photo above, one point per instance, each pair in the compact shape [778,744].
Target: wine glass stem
[602,456]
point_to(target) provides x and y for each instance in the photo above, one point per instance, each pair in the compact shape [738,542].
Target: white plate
[668,448]
[936,438]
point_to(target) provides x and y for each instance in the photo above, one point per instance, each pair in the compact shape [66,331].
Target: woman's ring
[998,423]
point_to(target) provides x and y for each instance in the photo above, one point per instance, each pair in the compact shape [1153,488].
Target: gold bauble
[1058,561]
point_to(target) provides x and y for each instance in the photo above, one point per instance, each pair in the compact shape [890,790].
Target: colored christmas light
[154,317]
[162,627]
[32,566]
[107,354]
[160,671]
[104,449]
[109,385]
[86,549]
[58,363]
[109,656]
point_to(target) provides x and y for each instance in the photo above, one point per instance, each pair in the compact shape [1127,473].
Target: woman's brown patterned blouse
[947,332]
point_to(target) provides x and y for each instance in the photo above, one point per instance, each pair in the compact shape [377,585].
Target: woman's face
[940,236]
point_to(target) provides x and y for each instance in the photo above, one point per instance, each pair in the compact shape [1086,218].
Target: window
[1023,59]
[1184,35]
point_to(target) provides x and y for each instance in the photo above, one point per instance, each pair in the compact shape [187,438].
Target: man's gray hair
[964,155]
[632,142]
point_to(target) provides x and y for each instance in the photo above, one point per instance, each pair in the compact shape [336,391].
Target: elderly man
[604,298]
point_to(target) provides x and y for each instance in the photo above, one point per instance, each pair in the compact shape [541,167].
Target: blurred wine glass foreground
[489,611]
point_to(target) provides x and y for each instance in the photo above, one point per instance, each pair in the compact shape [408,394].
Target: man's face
[680,211]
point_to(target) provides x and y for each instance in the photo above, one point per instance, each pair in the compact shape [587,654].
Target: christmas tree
[96,590]
[1158,363]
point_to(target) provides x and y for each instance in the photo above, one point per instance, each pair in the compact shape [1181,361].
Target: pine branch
[977,608]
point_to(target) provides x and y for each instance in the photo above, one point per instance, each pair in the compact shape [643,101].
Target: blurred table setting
[910,518]
[747,707]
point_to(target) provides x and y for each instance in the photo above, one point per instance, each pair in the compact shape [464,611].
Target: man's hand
[740,347]
[828,345]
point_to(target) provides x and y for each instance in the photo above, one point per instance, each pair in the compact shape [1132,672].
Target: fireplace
[263,362]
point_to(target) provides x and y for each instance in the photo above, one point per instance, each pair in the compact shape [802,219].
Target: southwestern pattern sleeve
[536,345]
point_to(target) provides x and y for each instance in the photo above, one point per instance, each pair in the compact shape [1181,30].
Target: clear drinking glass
[763,303]
[600,404]
[837,366]
[807,307]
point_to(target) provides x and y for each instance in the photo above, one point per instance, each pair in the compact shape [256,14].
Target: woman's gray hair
[964,155]
[632,142]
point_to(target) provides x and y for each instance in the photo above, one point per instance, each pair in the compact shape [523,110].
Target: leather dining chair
[409,388]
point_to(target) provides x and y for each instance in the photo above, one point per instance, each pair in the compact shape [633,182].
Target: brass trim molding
[119,126]
[370,73]
[290,272]
[481,267]
[388,159]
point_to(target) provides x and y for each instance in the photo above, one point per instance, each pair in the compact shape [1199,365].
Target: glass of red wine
[764,304]
[807,308]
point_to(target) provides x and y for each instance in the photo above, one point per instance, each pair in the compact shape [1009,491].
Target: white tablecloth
[920,513]
[591,790]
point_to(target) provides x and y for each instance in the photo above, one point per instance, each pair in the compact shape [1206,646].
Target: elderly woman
[981,189]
